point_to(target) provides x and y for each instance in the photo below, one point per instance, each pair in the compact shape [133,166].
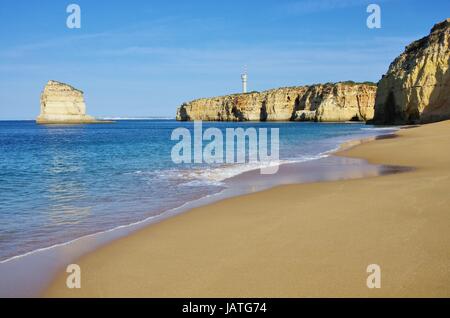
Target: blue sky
[144,58]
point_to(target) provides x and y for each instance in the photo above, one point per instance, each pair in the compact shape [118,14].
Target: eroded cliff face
[323,102]
[61,103]
[416,88]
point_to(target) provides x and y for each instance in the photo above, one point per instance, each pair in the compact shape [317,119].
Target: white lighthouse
[244,82]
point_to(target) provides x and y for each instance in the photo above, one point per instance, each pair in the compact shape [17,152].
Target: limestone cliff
[416,88]
[343,101]
[61,103]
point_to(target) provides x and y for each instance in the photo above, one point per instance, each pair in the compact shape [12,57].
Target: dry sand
[313,240]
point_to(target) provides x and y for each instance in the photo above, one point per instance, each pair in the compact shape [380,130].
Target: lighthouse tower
[244,81]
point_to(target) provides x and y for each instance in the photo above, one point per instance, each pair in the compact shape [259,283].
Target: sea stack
[416,88]
[63,104]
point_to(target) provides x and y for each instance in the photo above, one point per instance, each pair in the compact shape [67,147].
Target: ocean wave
[380,128]
[214,175]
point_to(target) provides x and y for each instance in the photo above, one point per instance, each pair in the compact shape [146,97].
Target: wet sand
[298,240]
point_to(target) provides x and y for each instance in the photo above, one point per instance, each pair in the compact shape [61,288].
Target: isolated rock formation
[345,101]
[416,88]
[61,104]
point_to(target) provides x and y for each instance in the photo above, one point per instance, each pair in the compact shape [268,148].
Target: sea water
[62,182]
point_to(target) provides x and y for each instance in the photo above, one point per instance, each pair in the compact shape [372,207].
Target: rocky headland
[331,102]
[63,104]
[416,88]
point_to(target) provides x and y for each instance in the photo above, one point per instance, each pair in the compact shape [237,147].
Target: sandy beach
[305,240]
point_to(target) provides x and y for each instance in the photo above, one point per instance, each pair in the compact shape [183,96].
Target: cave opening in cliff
[263,112]
[389,109]
[297,104]
[237,114]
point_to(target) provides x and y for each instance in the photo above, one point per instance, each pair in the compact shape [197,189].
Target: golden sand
[313,240]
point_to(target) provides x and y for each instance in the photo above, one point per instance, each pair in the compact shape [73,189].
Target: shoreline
[333,152]
[138,240]
[74,249]
[277,243]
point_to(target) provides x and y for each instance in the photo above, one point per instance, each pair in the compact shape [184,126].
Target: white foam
[380,128]
[215,176]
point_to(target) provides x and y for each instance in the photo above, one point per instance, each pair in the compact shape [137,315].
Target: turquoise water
[58,183]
